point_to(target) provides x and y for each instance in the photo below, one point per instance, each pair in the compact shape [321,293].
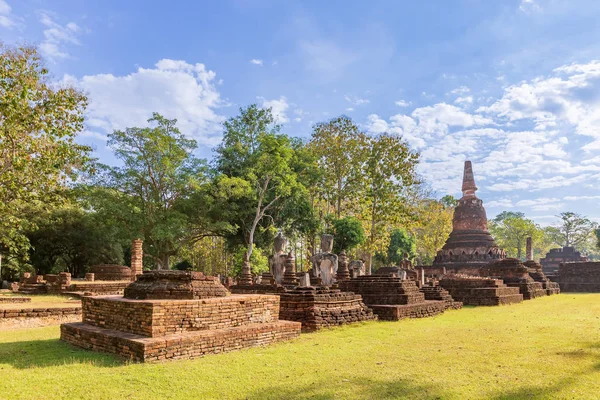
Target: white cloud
[464,100]
[7,19]
[256,62]
[349,109]
[278,108]
[173,88]
[356,100]
[402,103]
[57,37]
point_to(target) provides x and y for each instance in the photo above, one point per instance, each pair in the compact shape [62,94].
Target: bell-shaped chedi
[470,245]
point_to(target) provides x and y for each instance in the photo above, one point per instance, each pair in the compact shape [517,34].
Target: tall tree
[257,162]
[338,145]
[149,195]
[388,176]
[433,226]
[511,230]
[348,234]
[575,229]
[39,122]
[400,242]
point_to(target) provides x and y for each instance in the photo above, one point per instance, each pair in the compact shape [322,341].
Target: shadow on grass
[52,352]
[359,388]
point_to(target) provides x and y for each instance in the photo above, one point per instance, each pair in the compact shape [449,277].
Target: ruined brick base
[580,287]
[160,329]
[178,346]
[438,293]
[40,312]
[321,307]
[477,291]
[13,300]
[264,288]
[529,290]
[97,288]
[388,312]
[579,277]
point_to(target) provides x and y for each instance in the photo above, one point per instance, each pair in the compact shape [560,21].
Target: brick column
[246,276]
[289,279]
[529,249]
[137,256]
[342,273]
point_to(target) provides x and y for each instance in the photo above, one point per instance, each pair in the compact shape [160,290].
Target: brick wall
[579,277]
[162,317]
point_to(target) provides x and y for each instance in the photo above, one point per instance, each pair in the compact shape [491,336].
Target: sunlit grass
[40,301]
[543,348]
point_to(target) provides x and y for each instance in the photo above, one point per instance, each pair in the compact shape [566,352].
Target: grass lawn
[40,301]
[543,348]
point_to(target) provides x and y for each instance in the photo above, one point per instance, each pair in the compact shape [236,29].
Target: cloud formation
[57,37]
[173,88]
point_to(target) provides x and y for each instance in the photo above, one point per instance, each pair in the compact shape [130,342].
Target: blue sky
[513,85]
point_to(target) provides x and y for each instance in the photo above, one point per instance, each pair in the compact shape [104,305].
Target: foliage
[400,242]
[388,177]
[259,261]
[449,201]
[511,230]
[257,163]
[70,240]
[432,229]
[348,233]
[151,195]
[338,145]
[39,122]
[575,229]
[184,265]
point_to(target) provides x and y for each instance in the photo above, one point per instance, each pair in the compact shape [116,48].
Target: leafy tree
[389,175]
[151,195]
[449,201]
[597,233]
[400,242]
[511,230]
[257,163]
[339,147]
[575,230]
[71,240]
[434,224]
[39,122]
[348,233]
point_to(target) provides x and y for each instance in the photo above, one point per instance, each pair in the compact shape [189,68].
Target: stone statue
[277,260]
[357,268]
[325,263]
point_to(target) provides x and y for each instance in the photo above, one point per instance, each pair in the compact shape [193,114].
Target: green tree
[449,201]
[257,163]
[432,228]
[400,242]
[348,234]
[339,147]
[39,157]
[575,229]
[511,230]
[150,195]
[388,177]
[71,240]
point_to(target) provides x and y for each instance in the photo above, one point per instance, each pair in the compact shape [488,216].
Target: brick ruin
[316,307]
[536,272]
[480,291]
[102,279]
[322,307]
[393,298]
[579,277]
[471,251]
[555,257]
[174,315]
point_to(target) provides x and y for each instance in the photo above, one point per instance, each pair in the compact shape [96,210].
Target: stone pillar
[89,277]
[137,257]
[290,279]
[422,272]
[529,249]
[246,276]
[342,273]
[64,279]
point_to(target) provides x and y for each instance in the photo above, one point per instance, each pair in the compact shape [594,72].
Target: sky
[513,85]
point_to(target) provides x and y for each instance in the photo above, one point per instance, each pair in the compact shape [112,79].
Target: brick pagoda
[177,315]
[470,245]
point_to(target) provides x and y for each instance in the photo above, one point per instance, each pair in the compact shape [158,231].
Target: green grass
[40,301]
[543,348]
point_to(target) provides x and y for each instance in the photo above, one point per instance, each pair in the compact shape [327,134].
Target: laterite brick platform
[154,329]
[392,298]
[321,307]
[477,291]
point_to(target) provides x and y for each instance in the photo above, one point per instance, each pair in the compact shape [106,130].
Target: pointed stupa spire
[468,186]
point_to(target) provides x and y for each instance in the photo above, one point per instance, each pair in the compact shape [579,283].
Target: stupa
[470,246]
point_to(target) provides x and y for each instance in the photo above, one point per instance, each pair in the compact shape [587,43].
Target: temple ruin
[168,315]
